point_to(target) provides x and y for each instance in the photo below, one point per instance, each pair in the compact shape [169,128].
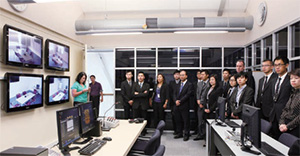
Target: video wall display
[57,55]
[58,89]
[24,91]
[22,48]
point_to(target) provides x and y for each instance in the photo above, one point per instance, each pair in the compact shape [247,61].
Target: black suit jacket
[164,93]
[264,98]
[127,91]
[251,81]
[172,88]
[283,97]
[212,98]
[184,95]
[225,88]
[141,99]
[246,97]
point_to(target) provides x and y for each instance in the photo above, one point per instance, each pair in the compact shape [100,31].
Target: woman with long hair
[79,89]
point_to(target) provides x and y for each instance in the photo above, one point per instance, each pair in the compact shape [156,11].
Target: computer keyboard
[266,149]
[92,147]
[232,124]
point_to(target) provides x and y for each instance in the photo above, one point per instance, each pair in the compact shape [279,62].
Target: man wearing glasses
[264,93]
[281,90]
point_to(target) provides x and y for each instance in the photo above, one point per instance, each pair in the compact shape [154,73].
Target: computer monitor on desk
[68,128]
[87,120]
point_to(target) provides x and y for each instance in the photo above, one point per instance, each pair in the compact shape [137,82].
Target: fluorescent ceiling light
[46,1]
[200,32]
[125,33]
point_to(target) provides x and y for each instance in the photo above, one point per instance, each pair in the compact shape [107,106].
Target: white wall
[38,126]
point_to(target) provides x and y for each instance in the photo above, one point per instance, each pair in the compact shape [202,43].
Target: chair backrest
[265,126]
[161,126]
[160,151]
[153,143]
[287,139]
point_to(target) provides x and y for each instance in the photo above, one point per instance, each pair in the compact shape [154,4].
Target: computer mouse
[107,138]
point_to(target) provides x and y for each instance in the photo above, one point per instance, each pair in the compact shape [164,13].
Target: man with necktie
[127,94]
[281,90]
[264,93]
[225,83]
[182,102]
[172,88]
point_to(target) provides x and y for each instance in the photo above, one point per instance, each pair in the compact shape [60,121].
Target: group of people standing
[278,97]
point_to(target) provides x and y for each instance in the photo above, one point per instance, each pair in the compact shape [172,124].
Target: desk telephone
[110,122]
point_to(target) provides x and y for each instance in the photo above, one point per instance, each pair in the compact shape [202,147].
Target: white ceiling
[205,6]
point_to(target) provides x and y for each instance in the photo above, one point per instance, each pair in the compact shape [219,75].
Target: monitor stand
[247,149]
[66,151]
[105,129]
[84,141]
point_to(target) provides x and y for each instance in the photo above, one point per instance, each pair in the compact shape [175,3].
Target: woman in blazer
[242,95]
[233,84]
[211,95]
[290,118]
[159,99]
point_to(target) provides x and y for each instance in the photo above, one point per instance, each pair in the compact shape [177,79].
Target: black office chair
[287,139]
[265,126]
[160,126]
[147,147]
[160,151]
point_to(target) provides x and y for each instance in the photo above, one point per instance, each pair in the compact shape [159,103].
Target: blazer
[251,81]
[141,99]
[164,93]
[184,95]
[212,98]
[225,88]
[283,97]
[200,90]
[127,91]
[264,99]
[246,97]
[172,88]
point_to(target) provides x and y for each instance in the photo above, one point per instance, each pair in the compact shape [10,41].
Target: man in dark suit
[281,91]
[172,88]
[264,93]
[127,94]
[201,87]
[195,85]
[182,101]
[225,83]
[141,97]
[240,66]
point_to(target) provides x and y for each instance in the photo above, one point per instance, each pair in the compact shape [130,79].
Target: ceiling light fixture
[200,32]
[125,33]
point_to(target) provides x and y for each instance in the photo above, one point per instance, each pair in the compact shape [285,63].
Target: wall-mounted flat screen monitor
[57,55]
[57,89]
[24,91]
[22,48]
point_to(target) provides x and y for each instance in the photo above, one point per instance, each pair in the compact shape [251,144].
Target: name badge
[158,95]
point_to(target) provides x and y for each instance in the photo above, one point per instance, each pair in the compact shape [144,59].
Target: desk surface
[222,132]
[123,138]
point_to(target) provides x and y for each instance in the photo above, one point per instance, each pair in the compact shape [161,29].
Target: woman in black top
[159,99]
[290,117]
[210,97]
[233,84]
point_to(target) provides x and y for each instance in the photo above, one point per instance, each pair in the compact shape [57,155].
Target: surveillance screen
[25,91]
[24,48]
[58,89]
[58,56]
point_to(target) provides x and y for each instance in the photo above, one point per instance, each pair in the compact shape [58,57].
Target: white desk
[24,54]
[25,98]
[123,138]
[58,96]
[57,60]
[228,147]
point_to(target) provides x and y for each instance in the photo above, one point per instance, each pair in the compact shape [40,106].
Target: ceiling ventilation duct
[162,25]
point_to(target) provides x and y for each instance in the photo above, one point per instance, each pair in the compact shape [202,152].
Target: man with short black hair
[141,97]
[127,94]
[264,92]
[281,91]
[240,66]
[95,93]
[172,88]
[225,83]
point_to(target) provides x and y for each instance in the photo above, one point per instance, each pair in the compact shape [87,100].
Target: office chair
[265,126]
[287,139]
[160,151]
[160,126]
[147,147]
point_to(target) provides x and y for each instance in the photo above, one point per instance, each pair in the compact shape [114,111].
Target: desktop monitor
[87,118]
[220,112]
[22,48]
[57,55]
[57,89]
[68,125]
[24,91]
[251,125]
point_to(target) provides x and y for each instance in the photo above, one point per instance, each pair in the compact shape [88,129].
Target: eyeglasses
[266,65]
[279,65]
